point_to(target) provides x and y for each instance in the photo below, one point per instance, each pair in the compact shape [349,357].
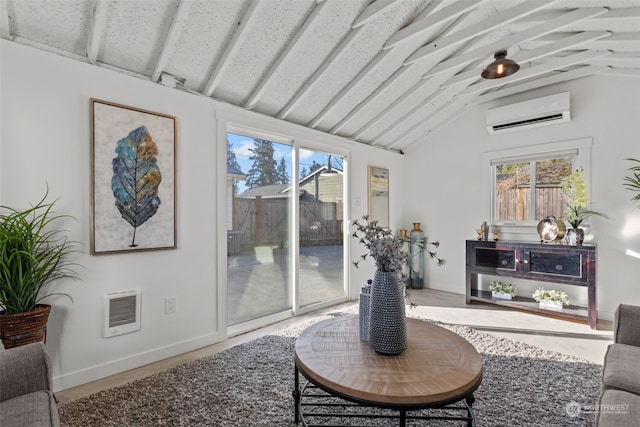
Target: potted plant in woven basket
[32,254]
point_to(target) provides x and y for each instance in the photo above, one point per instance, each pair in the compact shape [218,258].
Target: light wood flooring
[545,332]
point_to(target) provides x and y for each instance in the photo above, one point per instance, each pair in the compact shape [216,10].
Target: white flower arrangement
[542,294]
[503,288]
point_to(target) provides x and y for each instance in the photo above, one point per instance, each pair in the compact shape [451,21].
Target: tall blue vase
[387,317]
[417,257]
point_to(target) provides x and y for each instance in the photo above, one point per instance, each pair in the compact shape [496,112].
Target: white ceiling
[384,72]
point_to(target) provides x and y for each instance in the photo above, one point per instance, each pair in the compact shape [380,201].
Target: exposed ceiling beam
[435,124]
[537,31]
[480,28]
[619,60]
[389,81]
[231,49]
[425,119]
[175,30]
[625,37]
[375,9]
[291,45]
[389,109]
[373,95]
[98,23]
[532,55]
[313,80]
[346,91]
[425,24]
[444,115]
[361,77]
[619,38]
[76,57]
[544,81]
[625,72]
[621,13]
[536,70]
[5,32]
[415,111]
[564,44]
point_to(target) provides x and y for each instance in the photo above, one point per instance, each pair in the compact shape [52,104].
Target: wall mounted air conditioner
[544,111]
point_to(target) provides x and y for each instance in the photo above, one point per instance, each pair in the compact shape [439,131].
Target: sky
[241,146]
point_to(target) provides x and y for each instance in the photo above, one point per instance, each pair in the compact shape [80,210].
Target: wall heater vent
[122,313]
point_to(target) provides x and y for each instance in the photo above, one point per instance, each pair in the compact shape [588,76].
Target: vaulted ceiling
[387,73]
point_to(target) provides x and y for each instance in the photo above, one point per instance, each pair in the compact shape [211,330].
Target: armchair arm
[626,325]
[24,370]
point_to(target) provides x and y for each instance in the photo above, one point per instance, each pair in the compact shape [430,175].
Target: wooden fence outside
[513,204]
[260,222]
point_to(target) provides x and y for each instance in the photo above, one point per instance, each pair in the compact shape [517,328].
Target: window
[528,189]
[518,210]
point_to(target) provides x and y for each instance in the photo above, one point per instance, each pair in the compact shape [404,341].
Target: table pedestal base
[313,404]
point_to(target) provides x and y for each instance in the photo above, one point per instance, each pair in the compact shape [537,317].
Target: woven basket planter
[24,328]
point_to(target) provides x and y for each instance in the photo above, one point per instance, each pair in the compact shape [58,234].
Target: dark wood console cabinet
[571,265]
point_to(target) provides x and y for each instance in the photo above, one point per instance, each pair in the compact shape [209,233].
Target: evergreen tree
[232,161]
[263,169]
[281,172]
[304,172]
[314,166]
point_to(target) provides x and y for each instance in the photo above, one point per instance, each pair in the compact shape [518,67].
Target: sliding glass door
[276,262]
[258,224]
[321,207]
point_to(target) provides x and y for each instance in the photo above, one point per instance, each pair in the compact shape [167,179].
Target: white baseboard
[97,372]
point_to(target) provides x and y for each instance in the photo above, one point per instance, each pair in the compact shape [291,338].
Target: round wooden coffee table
[439,368]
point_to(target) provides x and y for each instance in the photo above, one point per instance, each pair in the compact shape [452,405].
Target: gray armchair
[26,397]
[620,398]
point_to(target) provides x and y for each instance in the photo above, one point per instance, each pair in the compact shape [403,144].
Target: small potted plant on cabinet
[32,255]
[551,299]
[502,290]
[575,192]
[632,181]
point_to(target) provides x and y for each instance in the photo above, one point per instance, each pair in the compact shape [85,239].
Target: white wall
[452,194]
[45,139]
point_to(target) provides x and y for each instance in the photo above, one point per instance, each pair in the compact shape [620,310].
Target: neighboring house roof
[281,190]
[266,191]
[322,169]
[235,172]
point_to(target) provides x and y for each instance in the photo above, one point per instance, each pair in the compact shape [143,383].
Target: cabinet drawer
[558,264]
[495,258]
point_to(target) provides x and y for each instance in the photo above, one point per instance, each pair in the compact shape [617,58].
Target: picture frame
[378,195]
[133,179]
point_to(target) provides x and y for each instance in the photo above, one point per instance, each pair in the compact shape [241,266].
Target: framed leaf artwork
[133,171]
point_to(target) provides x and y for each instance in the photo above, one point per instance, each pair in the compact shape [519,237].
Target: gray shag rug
[251,385]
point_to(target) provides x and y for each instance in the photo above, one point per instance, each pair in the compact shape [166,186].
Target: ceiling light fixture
[501,67]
